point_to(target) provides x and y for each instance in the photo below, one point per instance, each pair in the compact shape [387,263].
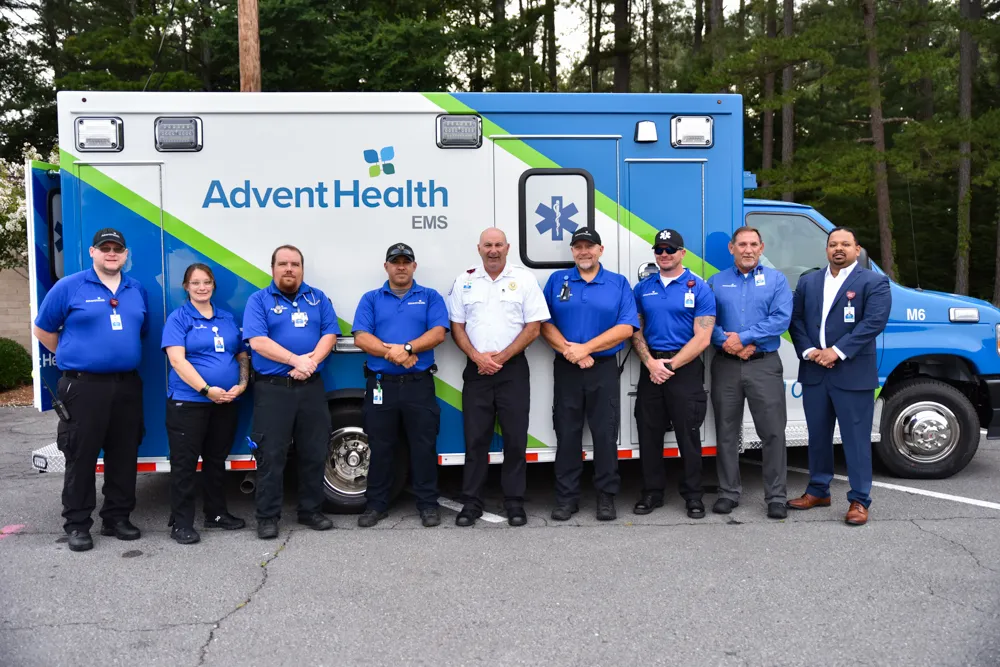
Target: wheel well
[951,369]
[351,394]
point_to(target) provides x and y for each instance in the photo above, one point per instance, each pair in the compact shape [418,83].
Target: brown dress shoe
[807,502]
[857,515]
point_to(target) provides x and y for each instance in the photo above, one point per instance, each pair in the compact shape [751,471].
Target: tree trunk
[788,108]
[996,263]
[550,44]
[249,40]
[501,79]
[699,23]
[206,49]
[966,68]
[771,22]
[657,85]
[878,136]
[594,8]
[715,19]
[926,83]
[645,47]
[742,20]
[623,47]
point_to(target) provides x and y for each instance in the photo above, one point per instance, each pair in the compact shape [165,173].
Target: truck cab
[938,358]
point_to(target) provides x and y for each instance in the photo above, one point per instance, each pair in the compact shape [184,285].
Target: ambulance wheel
[345,476]
[930,430]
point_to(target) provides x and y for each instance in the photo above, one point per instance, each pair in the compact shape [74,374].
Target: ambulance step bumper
[797,435]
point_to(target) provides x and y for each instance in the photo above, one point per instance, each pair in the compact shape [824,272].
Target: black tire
[938,411]
[346,494]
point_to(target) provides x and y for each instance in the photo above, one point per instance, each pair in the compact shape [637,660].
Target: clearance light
[963,314]
[645,132]
[691,131]
[100,135]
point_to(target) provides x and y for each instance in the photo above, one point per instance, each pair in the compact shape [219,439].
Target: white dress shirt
[495,311]
[831,285]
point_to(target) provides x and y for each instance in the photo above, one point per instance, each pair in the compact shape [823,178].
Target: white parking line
[906,489]
[452,505]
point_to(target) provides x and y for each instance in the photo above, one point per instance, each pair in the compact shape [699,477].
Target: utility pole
[249,38]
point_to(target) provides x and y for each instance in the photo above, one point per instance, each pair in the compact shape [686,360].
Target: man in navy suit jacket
[836,316]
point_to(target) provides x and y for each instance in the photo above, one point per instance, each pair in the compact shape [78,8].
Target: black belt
[752,357]
[405,377]
[101,377]
[663,354]
[597,360]
[283,380]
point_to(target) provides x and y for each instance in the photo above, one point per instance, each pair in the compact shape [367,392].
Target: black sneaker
[777,511]
[225,521]
[696,509]
[316,521]
[267,529]
[724,506]
[370,518]
[80,540]
[647,503]
[122,529]
[430,517]
[184,535]
[564,512]
[467,517]
[606,507]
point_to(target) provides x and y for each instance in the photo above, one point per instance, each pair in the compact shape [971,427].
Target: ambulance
[224,178]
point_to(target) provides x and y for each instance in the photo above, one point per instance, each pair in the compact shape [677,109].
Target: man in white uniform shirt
[496,310]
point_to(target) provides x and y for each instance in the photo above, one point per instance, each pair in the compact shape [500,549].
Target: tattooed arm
[657,373]
[702,338]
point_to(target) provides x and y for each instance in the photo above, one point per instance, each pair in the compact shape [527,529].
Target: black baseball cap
[586,234]
[668,237]
[399,250]
[109,235]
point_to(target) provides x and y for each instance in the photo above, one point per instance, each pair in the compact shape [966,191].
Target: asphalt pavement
[919,585]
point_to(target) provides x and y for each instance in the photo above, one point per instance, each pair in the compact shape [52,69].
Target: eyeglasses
[112,249]
[669,251]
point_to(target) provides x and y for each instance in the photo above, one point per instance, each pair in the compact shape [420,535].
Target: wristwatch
[204,390]
[408,348]
[669,366]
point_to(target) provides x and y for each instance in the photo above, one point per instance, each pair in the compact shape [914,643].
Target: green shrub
[15,365]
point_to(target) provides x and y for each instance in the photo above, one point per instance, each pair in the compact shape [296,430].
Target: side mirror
[864,260]
[647,270]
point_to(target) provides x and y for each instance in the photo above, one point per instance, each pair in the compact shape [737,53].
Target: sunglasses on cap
[669,251]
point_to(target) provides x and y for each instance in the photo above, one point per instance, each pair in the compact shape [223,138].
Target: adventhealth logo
[380,159]
[338,193]
[556,218]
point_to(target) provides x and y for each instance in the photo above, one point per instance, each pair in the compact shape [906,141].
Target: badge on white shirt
[300,319]
[116,322]
[758,279]
[689,299]
[848,314]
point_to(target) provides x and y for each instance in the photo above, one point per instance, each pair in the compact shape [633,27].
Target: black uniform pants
[486,399]
[681,400]
[199,429]
[105,413]
[409,413]
[281,414]
[590,393]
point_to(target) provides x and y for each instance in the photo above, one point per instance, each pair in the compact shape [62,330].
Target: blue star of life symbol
[556,218]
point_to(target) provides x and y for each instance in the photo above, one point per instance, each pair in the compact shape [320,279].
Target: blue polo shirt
[591,308]
[757,306]
[667,323]
[80,305]
[187,328]
[399,320]
[269,313]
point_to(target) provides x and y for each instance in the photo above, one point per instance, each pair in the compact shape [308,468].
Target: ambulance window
[554,203]
[55,235]
[793,244]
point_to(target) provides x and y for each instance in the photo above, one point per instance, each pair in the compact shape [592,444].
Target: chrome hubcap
[347,464]
[926,432]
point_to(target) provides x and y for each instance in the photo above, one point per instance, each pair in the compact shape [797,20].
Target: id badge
[220,345]
[300,319]
[848,313]
[758,279]
[116,322]
[689,299]
[377,396]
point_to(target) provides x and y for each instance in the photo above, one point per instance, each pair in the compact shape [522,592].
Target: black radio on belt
[57,405]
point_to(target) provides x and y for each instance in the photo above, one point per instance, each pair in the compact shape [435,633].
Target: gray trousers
[761,383]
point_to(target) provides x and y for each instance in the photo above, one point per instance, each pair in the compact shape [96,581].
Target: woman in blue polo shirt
[209,371]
